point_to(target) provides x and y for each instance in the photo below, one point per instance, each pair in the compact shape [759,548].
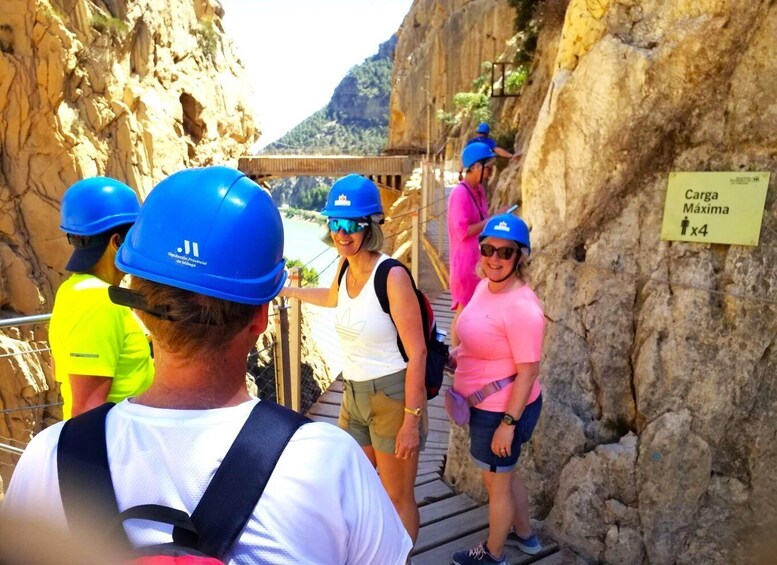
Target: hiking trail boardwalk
[449,521]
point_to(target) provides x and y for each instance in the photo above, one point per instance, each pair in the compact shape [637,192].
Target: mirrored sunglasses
[349,226]
[487,250]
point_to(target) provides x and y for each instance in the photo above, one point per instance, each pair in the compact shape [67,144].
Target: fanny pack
[457,406]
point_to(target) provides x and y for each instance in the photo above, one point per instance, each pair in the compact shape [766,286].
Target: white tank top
[367,334]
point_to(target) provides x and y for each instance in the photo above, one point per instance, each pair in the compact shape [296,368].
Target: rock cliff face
[656,441]
[132,89]
[442,45]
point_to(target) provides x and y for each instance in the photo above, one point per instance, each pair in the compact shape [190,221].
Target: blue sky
[297,51]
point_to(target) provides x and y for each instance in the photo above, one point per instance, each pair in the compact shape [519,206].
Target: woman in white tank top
[384,397]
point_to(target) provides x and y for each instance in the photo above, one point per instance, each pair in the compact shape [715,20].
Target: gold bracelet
[414,411]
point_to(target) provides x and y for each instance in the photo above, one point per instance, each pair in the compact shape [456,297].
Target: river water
[302,240]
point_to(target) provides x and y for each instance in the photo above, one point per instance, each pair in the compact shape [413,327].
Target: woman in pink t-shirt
[500,332]
[467,212]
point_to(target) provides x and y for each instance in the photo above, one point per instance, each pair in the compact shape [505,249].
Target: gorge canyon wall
[656,440]
[131,89]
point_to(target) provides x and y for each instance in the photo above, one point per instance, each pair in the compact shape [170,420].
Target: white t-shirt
[367,334]
[323,504]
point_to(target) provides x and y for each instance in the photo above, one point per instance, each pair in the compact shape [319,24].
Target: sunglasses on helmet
[349,226]
[487,250]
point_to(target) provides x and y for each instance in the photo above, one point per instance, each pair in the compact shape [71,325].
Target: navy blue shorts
[483,424]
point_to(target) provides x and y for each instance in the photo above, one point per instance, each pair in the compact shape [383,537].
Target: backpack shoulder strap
[235,490]
[381,291]
[83,472]
[381,282]
[341,274]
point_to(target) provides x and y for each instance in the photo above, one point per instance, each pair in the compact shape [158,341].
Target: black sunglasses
[487,250]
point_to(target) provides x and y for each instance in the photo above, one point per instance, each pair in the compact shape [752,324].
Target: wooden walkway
[449,521]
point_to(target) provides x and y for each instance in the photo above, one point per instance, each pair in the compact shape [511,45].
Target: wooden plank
[325,410]
[432,444]
[430,468]
[331,397]
[437,413]
[452,528]
[336,386]
[439,425]
[326,419]
[442,553]
[445,508]
[432,492]
[422,479]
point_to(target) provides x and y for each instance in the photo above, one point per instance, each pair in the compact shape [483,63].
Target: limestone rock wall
[671,341]
[132,89]
[441,47]
[656,441]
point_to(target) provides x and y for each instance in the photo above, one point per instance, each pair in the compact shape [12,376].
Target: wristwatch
[507,419]
[414,411]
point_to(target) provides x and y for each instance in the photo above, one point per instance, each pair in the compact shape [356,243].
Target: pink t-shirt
[464,210]
[498,331]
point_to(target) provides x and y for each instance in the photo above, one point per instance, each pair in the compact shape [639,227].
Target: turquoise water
[302,240]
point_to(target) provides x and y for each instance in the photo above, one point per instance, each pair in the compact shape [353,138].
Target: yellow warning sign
[714,207]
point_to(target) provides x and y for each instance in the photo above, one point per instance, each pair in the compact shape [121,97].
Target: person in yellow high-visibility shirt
[100,351]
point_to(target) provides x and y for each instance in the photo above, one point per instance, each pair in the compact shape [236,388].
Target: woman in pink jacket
[467,213]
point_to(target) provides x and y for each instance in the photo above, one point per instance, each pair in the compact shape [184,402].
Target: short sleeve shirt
[90,335]
[497,332]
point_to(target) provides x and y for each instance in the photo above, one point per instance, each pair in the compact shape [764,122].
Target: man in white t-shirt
[205,257]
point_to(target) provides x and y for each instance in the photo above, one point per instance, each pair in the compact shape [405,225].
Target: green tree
[308,275]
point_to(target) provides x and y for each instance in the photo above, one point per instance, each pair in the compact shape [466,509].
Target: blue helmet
[212,231]
[93,206]
[508,226]
[476,152]
[353,196]
[483,128]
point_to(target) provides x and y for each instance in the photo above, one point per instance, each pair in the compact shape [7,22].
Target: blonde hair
[373,240]
[200,324]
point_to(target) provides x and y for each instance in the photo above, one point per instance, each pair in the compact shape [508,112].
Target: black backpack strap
[341,274]
[83,472]
[381,291]
[235,490]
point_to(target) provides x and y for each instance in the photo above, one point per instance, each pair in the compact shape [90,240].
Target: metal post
[11,322]
[428,116]
[441,216]
[295,344]
[282,362]
[425,180]
[416,246]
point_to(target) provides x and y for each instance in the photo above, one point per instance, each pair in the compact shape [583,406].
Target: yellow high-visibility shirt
[90,335]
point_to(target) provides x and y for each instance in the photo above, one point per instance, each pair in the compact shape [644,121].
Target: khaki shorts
[373,411]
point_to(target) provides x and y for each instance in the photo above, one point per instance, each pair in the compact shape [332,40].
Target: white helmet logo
[502,226]
[342,200]
[190,248]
